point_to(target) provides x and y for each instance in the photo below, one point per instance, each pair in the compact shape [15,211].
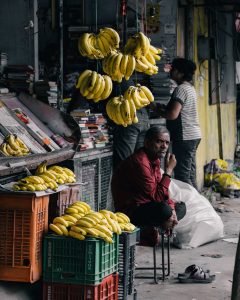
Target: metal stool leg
[155,268]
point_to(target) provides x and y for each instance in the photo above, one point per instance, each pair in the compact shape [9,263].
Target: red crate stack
[106,290]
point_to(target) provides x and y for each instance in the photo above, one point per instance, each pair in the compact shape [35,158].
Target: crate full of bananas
[79,222]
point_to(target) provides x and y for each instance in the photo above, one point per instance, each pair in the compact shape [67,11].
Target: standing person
[139,189]
[182,120]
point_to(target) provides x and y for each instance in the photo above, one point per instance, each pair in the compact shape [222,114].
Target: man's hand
[171,222]
[170,163]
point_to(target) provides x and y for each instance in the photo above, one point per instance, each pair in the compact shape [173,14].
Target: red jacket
[137,180]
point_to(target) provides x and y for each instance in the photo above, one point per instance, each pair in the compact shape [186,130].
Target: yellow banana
[112,35]
[11,141]
[12,152]
[150,58]
[77,216]
[68,171]
[41,168]
[61,221]
[62,228]
[135,97]
[79,208]
[33,179]
[144,42]
[120,219]
[16,187]
[130,66]
[124,216]
[116,63]
[84,74]
[90,220]
[108,87]
[99,93]
[104,229]
[100,233]
[69,218]
[156,56]
[92,231]
[125,112]
[81,203]
[50,175]
[40,187]
[76,235]
[21,144]
[79,230]
[4,149]
[46,178]
[56,229]
[123,64]
[108,240]
[94,217]
[71,210]
[101,46]
[84,223]
[148,93]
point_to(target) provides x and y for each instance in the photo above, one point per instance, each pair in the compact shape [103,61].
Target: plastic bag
[201,223]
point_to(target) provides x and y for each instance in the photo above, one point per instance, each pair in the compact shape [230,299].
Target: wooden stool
[165,271]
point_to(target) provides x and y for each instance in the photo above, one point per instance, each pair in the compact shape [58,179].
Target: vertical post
[124,19]
[35,37]
[60,81]
[236,275]
[218,89]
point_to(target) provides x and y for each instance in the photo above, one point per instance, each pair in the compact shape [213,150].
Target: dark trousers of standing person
[126,140]
[185,153]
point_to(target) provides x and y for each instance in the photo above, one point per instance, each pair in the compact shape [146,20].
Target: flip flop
[195,274]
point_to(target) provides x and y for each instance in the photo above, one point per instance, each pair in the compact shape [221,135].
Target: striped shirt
[186,126]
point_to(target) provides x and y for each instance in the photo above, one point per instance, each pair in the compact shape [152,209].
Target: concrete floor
[222,266]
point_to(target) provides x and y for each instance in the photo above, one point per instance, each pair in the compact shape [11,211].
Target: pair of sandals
[195,274]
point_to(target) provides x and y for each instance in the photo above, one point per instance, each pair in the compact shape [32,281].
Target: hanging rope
[137,27]
[96,27]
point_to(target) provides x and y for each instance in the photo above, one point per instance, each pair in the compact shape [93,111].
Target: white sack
[201,223]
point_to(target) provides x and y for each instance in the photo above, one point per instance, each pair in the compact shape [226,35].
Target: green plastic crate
[68,260]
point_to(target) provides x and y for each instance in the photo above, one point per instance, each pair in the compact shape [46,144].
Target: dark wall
[14,39]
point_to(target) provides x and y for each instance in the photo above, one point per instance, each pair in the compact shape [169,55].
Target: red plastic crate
[106,290]
[23,221]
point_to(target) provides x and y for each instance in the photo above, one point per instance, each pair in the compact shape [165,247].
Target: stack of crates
[23,222]
[80,270]
[126,267]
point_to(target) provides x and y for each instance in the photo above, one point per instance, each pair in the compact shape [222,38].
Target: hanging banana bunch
[121,111]
[118,65]
[146,55]
[98,46]
[140,95]
[95,86]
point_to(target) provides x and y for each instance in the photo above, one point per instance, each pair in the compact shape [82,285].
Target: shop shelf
[23,221]
[106,290]
[68,260]
[59,201]
[126,266]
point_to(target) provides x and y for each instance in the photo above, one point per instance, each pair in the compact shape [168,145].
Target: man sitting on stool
[140,191]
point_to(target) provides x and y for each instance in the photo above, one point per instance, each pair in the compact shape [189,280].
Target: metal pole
[218,90]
